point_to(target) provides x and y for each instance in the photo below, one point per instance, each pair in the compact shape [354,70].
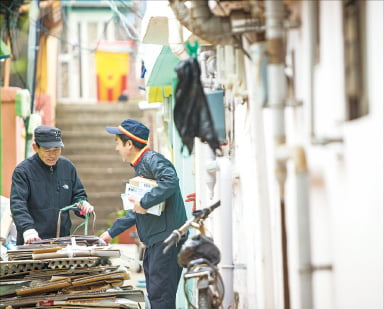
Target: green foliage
[112,217]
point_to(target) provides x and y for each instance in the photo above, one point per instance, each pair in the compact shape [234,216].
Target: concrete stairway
[92,150]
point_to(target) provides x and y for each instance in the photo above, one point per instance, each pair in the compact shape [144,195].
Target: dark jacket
[39,191]
[152,228]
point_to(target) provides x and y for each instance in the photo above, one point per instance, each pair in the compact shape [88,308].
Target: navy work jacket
[39,191]
[151,228]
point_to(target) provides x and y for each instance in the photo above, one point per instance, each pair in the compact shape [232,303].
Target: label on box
[136,188]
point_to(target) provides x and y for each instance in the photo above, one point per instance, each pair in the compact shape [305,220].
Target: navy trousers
[162,275]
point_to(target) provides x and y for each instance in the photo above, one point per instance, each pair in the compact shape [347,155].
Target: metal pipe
[304,260]
[175,39]
[265,293]
[207,80]
[303,230]
[33,42]
[226,264]
[211,168]
[201,21]
[277,91]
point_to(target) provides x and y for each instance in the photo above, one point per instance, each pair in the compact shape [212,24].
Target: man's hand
[106,237]
[137,207]
[86,208]
[30,235]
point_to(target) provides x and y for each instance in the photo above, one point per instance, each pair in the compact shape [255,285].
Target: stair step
[105,172]
[92,160]
[95,136]
[75,108]
[92,150]
[94,114]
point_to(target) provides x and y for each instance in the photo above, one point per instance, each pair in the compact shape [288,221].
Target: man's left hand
[137,207]
[86,208]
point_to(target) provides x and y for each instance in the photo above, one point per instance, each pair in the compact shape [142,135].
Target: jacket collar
[138,157]
[37,158]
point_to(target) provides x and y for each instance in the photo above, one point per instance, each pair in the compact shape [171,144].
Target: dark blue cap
[133,129]
[48,137]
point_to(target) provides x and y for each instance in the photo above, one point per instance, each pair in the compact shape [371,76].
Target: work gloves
[86,208]
[30,235]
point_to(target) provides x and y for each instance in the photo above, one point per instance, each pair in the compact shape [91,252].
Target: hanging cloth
[192,115]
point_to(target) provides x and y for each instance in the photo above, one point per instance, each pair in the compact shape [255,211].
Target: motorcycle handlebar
[175,236]
[171,240]
[204,213]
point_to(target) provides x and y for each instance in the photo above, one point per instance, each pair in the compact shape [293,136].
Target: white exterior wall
[346,188]
[357,207]
[346,179]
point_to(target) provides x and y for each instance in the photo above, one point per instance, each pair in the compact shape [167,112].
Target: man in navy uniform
[162,272]
[43,184]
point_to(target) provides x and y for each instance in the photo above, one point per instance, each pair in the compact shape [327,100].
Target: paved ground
[130,259]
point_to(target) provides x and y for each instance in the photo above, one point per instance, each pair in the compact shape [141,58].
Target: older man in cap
[162,272]
[42,185]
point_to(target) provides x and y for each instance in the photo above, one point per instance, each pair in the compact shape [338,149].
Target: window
[353,21]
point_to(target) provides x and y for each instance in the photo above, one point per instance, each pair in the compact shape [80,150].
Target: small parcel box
[136,188]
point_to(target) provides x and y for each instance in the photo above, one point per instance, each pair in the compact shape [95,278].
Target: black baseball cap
[48,137]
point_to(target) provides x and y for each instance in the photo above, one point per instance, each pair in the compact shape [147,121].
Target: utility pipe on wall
[175,39]
[265,293]
[201,21]
[277,91]
[211,168]
[301,180]
[226,263]
[303,229]
[223,166]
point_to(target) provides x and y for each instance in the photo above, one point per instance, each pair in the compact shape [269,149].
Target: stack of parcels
[65,273]
[136,188]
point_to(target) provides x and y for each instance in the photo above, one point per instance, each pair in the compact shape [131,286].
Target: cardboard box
[143,182]
[136,188]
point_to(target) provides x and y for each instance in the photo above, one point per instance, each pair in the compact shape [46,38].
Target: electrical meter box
[215,101]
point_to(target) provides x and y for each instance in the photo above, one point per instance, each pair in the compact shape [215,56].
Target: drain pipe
[206,77]
[175,39]
[301,180]
[223,166]
[226,264]
[256,77]
[201,21]
[304,233]
[211,168]
[277,91]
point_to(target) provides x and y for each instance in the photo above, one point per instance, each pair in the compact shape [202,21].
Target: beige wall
[12,143]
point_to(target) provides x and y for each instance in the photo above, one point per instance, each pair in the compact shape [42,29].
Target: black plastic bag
[191,114]
[198,246]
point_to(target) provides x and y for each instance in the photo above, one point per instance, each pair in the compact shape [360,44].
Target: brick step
[113,198]
[114,117]
[106,173]
[76,108]
[86,147]
[92,160]
[92,150]
[99,136]
[101,186]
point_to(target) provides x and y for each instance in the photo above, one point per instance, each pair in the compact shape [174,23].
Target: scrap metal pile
[65,272]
